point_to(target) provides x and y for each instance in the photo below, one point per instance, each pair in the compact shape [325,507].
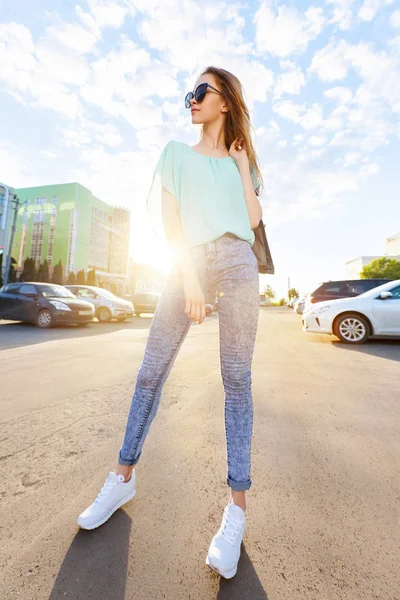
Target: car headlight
[59,305]
[317,311]
[117,305]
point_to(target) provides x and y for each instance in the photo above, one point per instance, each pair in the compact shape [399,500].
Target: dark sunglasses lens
[200,93]
[188,98]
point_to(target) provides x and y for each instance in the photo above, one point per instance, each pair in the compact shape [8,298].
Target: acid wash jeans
[226,266]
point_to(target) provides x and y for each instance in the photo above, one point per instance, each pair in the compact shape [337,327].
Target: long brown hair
[237,124]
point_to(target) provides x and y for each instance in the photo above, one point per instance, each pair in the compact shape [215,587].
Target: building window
[51,236]
[72,241]
[37,236]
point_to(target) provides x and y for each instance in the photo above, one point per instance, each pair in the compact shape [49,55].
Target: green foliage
[385,268]
[43,274]
[29,272]
[58,276]
[80,277]
[293,293]
[269,292]
[71,279]
[91,277]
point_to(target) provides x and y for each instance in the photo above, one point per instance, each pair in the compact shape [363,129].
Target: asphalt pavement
[323,518]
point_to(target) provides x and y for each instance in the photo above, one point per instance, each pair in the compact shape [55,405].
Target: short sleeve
[165,175]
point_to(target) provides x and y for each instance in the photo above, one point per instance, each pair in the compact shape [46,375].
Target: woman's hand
[195,307]
[238,152]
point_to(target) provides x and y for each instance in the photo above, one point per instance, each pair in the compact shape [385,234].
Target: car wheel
[44,320]
[352,328]
[104,314]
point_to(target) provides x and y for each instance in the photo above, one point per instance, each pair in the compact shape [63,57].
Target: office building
[67,222]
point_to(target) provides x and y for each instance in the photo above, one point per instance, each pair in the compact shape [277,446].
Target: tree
[293,293]
[80,277]
[269,292]
[91,277]
[29,272]
[44,272]
[381,268]
[71,279]
[58,276]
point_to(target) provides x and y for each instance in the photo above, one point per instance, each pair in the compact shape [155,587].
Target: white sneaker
[224,551]
[114,493]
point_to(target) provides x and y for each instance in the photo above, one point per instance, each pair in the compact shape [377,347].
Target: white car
[375,313]
[106,304]
[298,306]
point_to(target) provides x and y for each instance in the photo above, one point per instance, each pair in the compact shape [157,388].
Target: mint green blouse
[209,193]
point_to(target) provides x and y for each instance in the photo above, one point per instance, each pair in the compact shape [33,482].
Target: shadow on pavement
[15,334]
[95,566]
[246,584]
[382,348]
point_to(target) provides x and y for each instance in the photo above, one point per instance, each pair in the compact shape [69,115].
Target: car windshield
[55,291]
[107,294]
[384,287]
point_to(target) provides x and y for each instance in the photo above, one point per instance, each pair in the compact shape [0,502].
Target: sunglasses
[199,94]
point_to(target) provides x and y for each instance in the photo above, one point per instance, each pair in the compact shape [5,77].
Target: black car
[333,290]
[44,304]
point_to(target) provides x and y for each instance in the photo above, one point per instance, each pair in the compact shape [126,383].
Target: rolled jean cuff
[127,463]
[239,486]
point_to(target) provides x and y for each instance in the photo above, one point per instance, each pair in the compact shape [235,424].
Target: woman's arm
[194,296]
[253,205]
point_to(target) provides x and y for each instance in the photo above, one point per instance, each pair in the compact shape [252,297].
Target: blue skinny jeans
[226,266]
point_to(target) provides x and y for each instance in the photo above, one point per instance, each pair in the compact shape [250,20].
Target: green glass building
[67,222]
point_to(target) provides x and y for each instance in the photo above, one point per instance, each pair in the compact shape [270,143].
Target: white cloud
[317,140]
[72,36]
[342,13]
[287,31]
[28,78]
[343,95]
[378,71]
[48,154]
[331,62]
[290,82]
[288,110]
[86,133]
[312,117]
[395,18]
[370,7]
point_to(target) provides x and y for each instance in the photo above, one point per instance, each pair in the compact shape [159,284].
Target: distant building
[6,197]
[67,222]
[355,266]
[393,244]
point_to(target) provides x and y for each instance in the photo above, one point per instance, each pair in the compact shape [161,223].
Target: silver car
[107,305]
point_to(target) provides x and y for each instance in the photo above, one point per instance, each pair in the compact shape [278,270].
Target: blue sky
[92,90]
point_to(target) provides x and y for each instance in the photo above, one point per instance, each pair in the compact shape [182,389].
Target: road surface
[323,512]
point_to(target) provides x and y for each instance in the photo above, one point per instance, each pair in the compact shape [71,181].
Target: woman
[209,207]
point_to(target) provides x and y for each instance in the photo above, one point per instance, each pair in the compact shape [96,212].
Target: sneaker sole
[104,519]
[226,575]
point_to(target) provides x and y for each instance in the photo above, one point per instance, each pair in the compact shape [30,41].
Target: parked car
[145,302]
[44,304]
[107,306]
[290,303]
[375,313]
[298,306]
[334,290]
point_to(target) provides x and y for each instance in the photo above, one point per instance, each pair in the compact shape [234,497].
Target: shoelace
[105,490]
[230,529]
